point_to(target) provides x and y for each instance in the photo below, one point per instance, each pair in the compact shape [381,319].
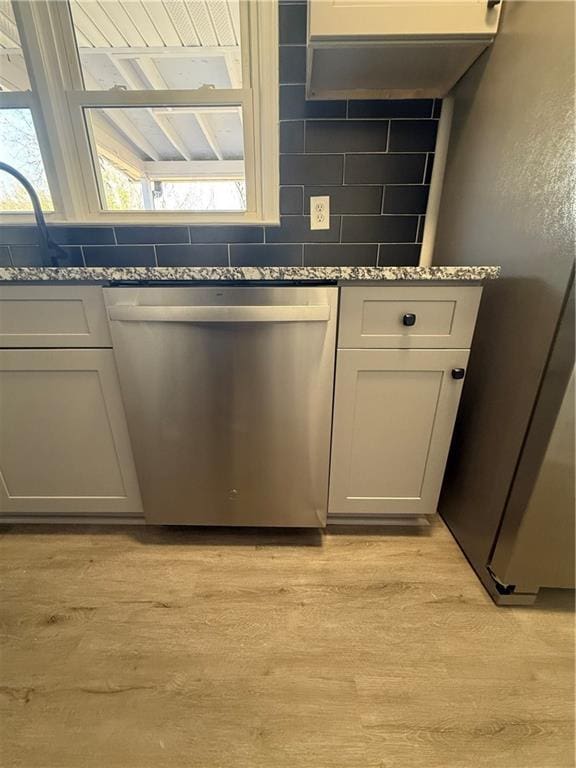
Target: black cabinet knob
[458,373]
[409,319]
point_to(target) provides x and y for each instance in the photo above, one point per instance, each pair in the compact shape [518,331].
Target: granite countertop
[145,274]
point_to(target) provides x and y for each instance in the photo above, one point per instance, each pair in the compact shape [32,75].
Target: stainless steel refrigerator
[508,199]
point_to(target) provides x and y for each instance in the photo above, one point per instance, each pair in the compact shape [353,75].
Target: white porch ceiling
[151,45]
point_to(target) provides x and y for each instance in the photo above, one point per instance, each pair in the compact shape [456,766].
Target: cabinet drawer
[53,316]
[377,317]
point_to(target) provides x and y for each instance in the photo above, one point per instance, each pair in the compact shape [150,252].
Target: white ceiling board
[203,23]
[88,29]
[13,74]
[194,138]
[8,28]
[162,22]
[182,72]
[96,13]
[227,129]
[100,73]
[234,8]
[181,19]
[222,22]
[141,18]
[124,23]
[144,124]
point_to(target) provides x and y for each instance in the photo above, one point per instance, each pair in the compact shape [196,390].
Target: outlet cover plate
[320,212]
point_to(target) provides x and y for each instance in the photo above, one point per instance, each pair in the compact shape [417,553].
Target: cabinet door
[370,19]
[394,412]
[64,446]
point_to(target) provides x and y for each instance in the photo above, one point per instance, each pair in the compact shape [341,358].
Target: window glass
[154,45]
[13,74]
[19,148]
[169,158]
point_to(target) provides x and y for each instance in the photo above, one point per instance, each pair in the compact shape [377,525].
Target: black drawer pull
[409,319]
[458,373]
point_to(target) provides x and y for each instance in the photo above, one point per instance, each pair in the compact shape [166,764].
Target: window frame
[57,100]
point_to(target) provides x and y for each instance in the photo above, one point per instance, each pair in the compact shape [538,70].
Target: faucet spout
[51,250]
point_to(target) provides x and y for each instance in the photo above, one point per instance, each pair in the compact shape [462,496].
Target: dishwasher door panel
[228,394]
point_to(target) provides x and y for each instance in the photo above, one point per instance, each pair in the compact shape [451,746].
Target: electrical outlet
[320,212]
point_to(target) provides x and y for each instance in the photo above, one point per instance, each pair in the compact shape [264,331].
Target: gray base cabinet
[64,445]
[400,366]
[394,413]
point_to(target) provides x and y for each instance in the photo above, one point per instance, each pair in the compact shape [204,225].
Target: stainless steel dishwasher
[228,394]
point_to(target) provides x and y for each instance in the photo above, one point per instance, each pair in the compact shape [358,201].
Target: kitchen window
[153,111]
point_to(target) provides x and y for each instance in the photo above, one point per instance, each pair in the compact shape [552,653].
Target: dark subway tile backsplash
[292,23]
[270,254]
[64,235]
[311,169]
[338,255]
[398,255]
[379,229]
[5,260]
[347,199]
[390,108]
[410,198]
[412,135]
[346,135]
[226,234]
[293,105]
[33,256]
[119,256]
[385,169]
[18,235]
[374,159]
[151,235]
[292,64]
[209,255]
[429,166]
[292,136]
[291,200]
[296,229]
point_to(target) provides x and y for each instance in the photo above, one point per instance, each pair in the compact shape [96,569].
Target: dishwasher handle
[291,313]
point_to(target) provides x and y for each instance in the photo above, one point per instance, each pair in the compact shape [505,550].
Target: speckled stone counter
[195,274]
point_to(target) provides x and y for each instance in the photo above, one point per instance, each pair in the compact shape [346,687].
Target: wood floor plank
[145,647]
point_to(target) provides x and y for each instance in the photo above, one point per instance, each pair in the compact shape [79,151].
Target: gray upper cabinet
[378,49]
[64,446]
[394,412]
[53,316]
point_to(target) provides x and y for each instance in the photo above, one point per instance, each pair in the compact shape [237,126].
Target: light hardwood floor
[192,648]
